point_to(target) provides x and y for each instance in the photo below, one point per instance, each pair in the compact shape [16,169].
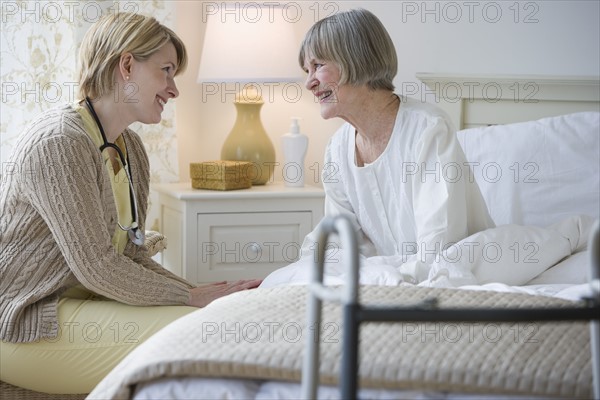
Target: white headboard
[479,100]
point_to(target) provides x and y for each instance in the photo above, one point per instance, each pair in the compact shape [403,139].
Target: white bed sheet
[230,389]
[510,254]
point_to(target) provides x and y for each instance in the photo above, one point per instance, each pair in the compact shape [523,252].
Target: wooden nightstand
[237,234]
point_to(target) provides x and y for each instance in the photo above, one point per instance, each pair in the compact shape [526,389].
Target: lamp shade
[257,45]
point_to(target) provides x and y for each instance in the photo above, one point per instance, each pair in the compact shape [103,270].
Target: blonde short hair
[113,35]
[358,43]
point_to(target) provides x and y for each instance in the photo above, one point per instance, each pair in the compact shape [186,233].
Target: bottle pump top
[295,127]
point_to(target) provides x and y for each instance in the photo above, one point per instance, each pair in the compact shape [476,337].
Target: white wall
[478,37]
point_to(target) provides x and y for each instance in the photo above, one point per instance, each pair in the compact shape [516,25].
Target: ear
[125,64]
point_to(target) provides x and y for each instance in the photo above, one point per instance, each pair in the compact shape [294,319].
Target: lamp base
[248,140]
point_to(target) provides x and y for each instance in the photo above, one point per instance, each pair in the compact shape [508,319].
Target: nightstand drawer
[238,234]
[248,245]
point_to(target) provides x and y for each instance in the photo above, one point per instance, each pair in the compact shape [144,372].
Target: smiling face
[322,80]
[151,84]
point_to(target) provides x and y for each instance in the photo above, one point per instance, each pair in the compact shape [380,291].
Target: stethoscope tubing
[134,233]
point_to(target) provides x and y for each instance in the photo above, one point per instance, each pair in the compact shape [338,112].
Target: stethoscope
[133,231]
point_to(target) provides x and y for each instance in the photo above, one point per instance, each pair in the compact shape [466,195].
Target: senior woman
[74,267]
[395,168]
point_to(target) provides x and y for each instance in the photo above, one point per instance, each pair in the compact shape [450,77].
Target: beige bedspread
[260,334]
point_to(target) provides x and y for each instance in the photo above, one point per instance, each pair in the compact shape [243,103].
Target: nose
[311,81]
[172,89]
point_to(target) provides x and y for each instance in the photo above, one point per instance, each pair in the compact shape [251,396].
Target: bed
[252,344]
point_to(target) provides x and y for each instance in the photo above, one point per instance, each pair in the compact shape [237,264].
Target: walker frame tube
[354,314]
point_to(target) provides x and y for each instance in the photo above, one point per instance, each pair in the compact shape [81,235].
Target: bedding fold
[508,254]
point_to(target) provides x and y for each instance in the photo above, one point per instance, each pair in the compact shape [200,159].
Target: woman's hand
[202,295]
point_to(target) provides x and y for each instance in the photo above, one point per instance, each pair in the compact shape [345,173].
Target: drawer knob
[255,247]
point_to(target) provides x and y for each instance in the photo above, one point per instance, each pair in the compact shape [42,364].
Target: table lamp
[248,48]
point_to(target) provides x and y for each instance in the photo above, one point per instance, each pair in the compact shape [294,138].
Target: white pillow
[509,254]
[537,172]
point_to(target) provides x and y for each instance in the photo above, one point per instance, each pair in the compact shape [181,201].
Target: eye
[170,69]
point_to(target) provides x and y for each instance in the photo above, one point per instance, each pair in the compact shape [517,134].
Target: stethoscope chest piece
[136,236]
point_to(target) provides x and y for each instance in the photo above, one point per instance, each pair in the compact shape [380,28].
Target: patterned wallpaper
[39,41]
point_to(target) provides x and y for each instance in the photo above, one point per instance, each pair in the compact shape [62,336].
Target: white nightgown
[418,197]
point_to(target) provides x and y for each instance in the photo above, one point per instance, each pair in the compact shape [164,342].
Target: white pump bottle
[294,146]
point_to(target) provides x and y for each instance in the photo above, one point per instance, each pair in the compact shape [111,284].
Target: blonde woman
[78,289]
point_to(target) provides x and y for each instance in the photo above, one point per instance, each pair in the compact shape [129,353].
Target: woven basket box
[220,175]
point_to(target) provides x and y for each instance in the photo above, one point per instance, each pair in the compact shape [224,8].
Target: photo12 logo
[58,92]
[37,92]
[269,92]
[453,12]
[489,92]
[267,331]
[57,11]
[254,12]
